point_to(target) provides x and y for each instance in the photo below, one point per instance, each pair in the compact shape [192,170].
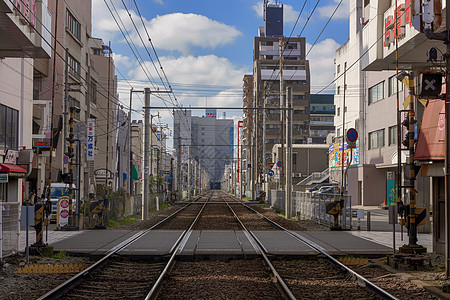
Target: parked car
[317,187]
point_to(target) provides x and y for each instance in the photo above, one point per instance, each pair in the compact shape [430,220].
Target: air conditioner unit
[297,175]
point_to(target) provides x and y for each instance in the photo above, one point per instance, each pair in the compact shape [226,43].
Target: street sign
[352,135]
[64,203]
[271,172]
[279,164]
[66,159]
[41,144]
[4,179]
[271,164]
[351,145]
[151,175]
[167,172]
[64,213]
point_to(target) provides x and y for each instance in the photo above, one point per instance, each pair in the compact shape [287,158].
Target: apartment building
[207,140]
[24,39]
[294,72]
[322,118]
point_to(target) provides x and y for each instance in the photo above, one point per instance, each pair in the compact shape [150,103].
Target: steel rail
[281,285]
[74,281]
[156,288]
[361,281]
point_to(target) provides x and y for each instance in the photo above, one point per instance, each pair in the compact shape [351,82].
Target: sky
[205,47]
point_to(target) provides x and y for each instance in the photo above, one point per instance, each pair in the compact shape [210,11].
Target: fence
[311,206]
[9,228]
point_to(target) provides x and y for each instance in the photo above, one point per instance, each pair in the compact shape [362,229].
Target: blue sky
[205,47]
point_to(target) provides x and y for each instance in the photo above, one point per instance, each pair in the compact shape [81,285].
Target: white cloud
[321,63]
[342,13]
[176,31]
[158,1]
[201,70]
[289,14]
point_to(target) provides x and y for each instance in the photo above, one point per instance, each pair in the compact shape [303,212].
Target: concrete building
[306,160]
[322,118]
[204,139]
[371,98]
[247,129]
[266,77]
[24,38]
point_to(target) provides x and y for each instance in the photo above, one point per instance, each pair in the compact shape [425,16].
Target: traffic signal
[430,85]
[65,177]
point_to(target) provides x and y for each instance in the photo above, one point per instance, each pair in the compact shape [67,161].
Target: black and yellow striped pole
[38,224]
[70,154]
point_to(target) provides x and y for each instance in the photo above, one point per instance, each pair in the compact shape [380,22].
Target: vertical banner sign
[390,188]
[90,139]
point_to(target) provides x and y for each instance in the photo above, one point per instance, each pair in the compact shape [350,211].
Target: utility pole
[107,134]
[39,240]
[289,97]
[71,155]
[282,113]
[179,194]
[254,161]
[130,147]
[147,129]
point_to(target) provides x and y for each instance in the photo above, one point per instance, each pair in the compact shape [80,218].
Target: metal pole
[399,145]
[146,150]
[289,153]
[78,182]
[282,114]
[343,136]
[107,127]
[180,196]
[447,158]
[70,155]
[52,141]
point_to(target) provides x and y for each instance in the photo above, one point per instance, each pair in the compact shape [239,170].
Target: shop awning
[431,141]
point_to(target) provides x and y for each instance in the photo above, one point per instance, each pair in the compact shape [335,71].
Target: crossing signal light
[65,177]
[430,85]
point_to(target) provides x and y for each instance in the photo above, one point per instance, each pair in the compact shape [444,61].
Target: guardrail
[9,228]
[311,206]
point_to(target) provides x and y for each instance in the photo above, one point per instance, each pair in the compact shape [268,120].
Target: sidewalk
[381,230]
[53,236]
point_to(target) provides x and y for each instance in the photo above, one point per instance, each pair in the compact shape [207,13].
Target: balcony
[19,31]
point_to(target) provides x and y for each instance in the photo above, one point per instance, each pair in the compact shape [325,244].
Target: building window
[74,66]
[94,92]
[294,161]
[9,127]
[393,135]
[393,85]
[376,139]
[73,25]
[338,90]
[376,93]
[339,111]
[338,69]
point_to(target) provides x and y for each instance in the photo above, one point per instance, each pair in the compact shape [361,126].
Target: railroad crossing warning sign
[271,164]
[279,164]
[271,172]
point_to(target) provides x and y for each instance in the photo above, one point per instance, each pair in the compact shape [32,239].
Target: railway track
[112,278]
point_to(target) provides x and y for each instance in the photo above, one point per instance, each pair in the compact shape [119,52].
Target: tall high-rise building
[208,141]
[275,57]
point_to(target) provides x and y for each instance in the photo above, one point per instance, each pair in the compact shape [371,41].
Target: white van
[59,190]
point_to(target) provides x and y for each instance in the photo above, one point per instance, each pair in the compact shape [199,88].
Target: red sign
[64,203]
[271,165]
[64,213]
[403,16]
